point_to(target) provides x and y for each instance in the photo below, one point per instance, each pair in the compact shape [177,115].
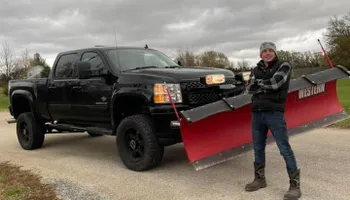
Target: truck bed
[34,89]
[27,83]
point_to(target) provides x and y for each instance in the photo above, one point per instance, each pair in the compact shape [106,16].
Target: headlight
[246,76]
[161,95]
[214,79]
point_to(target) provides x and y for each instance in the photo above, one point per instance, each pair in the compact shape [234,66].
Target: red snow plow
[221,130]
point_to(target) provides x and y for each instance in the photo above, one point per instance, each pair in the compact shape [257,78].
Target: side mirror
[84,70]
[179,62]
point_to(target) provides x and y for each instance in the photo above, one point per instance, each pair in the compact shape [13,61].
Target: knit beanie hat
[267,45]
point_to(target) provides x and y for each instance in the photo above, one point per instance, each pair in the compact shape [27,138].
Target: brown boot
[294,192]
[259,179]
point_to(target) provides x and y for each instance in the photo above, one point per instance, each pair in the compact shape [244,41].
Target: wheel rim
[24,130]
[134,143]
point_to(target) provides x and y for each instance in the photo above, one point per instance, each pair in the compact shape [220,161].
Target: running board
[72,128]
[11,120]
[65,127]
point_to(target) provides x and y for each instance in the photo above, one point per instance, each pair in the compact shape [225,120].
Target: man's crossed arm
[280,77]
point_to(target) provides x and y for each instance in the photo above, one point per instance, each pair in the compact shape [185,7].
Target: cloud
[235,28]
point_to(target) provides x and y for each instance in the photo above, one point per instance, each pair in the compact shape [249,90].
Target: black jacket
[269,85]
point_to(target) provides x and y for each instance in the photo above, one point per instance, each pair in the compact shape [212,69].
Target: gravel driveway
[89,168]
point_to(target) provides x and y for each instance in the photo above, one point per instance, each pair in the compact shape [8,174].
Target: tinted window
[65,66]
[128,59]
[94,59]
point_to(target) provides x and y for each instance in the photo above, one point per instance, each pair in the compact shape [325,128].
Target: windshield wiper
[173,66]
[143,67]
[152,66]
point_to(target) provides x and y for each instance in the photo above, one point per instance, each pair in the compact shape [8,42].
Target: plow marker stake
[219,131]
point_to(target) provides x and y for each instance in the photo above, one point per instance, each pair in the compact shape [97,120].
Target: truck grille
[198,85]
[196,93]
[202,98]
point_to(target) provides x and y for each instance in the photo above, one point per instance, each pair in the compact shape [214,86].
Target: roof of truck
[99,47]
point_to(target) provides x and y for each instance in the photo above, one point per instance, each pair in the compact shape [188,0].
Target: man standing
[269,83]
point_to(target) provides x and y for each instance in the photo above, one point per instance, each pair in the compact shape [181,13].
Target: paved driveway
[89,168]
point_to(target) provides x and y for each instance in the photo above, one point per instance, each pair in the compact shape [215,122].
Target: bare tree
[24,63]
[337,37]
[231,65]
[213,59]
[243,65]
[6,60]
[188,58]
[25,59]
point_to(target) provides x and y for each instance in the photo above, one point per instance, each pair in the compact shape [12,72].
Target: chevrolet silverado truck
[117,91]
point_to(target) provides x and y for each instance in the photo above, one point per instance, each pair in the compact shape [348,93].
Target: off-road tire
[152,151]
[35,131]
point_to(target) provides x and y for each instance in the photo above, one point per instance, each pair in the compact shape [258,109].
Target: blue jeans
[275,122]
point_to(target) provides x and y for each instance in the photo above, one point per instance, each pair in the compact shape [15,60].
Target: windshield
[138,58]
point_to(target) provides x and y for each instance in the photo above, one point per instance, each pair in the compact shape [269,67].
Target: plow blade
[219,131]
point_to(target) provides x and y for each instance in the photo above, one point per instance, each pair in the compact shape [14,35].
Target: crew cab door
[91,97]
[60,86]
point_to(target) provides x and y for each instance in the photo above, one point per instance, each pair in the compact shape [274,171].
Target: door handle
[77,88]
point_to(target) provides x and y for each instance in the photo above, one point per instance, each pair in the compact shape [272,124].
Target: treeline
[220,60]
[14,66]
[336,37]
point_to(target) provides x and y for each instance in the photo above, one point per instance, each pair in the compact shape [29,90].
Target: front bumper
[165,118]
[166,124]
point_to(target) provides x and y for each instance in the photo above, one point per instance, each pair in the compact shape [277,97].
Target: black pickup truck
[117,91]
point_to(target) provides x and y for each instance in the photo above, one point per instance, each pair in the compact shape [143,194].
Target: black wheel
[137,144]
[30,133]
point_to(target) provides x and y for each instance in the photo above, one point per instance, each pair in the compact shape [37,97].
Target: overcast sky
[235,28]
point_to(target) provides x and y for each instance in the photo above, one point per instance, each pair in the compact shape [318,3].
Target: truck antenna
[116,49]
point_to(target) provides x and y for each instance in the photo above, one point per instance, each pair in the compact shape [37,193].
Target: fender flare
[139,93]
[26,94]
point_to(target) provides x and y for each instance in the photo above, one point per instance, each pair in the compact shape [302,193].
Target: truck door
[60,86]
[91,96]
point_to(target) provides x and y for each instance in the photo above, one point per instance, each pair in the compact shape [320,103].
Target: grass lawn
[4,102]
[16,184]
[343,88]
